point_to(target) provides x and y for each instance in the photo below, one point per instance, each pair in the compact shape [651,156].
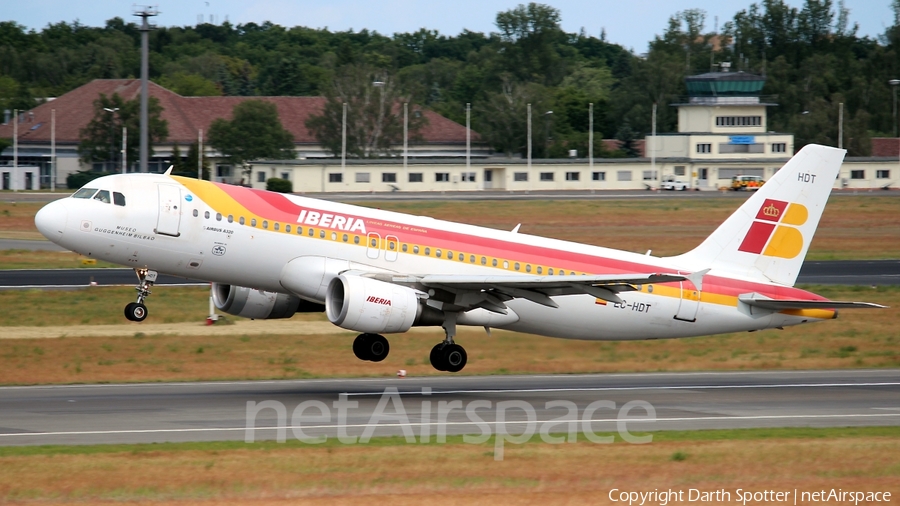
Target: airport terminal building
[722,132]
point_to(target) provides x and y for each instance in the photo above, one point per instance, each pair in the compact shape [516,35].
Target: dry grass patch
[28,259]
[455,473]
[862,338]
[17,220]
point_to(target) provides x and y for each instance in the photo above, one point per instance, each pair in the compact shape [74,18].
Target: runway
[639,403]
[843,272]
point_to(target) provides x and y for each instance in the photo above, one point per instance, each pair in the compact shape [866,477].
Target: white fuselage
[181,227]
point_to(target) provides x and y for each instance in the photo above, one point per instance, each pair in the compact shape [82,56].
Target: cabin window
[450,255]
[118,199]
[437,253]
[346,238]
[494,262]
[505,264]
[540,270]
[299,230]
[312,232]
[517,266]
[392,245]
[287,228]
[241,220]
[416,250]
[334,236]
[253,222]
[483,261]
[196,213]
[428,252]
[84,193]
[404,248]
[206,215]
[276,226]
[218,216]
[321,234]
[527,268]
[356,239]
[266,224]
[230,218]
[102,196]
[472,259]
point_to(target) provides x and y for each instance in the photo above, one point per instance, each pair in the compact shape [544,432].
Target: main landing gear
[371,347]
[137,311]
[445,356]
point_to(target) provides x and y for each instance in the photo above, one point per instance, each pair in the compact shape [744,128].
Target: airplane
[271,255]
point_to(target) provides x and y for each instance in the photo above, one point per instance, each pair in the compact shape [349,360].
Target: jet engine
[371,306]
[259,304]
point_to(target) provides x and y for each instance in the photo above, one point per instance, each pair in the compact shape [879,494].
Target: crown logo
[771,211]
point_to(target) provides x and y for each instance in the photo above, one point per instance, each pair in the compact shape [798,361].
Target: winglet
[515,230]
[168,171]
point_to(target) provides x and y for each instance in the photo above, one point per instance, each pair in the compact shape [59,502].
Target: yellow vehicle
[746,183]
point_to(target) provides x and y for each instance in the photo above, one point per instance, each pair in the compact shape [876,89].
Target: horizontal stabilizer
[761,302]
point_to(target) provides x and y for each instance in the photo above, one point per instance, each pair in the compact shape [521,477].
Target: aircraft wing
[490,292]
[762,302]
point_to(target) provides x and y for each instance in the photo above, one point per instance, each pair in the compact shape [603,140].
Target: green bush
[76,180]
[275,184]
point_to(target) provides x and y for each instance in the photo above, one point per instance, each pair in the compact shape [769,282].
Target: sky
[632,23]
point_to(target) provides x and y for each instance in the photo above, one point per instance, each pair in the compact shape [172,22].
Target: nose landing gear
[137,311]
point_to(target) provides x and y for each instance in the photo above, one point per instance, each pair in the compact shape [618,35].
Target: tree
[190,85]
[502,119]
[529,35]
[101,139]
[254,133]
[374,113]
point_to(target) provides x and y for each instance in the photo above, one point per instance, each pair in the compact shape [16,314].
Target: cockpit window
[102,196]
[84,193]
[118,199]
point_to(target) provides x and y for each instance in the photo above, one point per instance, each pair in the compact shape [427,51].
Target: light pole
[145,12]
[529,138]
[112,140]
[547,119]
[894,83]
[591,136]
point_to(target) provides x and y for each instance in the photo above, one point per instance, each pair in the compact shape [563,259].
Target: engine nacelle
[368,305]
[258,304]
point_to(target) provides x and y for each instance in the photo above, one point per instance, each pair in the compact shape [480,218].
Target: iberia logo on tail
[773,232]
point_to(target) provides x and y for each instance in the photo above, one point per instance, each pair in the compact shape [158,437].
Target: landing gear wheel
[136,312]
[437,357]
[371,347]
[455,357]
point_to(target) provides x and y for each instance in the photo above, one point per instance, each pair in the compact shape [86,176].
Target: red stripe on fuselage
[277,207]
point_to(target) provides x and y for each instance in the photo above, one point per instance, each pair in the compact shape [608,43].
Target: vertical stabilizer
[767,238]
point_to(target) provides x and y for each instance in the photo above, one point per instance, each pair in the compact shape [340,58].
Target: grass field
[390,471]
[852,227]
[859,338]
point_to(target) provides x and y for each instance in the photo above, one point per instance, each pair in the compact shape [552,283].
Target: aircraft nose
[50,220]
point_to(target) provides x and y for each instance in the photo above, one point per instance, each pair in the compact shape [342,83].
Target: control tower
[723,119]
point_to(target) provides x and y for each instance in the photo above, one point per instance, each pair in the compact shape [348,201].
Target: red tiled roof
[186,115]
[885,146]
